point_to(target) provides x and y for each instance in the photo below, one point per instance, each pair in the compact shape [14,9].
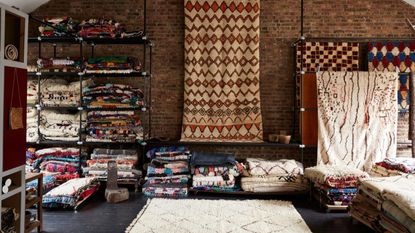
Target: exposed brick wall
[280,26]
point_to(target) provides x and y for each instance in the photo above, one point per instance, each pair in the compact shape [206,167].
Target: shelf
[88,75]
[141,109]
[77,40]
[54,107]
[47,39]
[32,202]
[101,144]
[31,226]
[133,40]
[53,74]
[32,176]
[117,75]
[245,193]
[52,143]
[254,144]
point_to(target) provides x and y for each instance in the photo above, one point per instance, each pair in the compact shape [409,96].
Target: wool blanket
[222,93]
[273,184]
[262,167]
[403,198]
[335,176]
[358,117]
[398,215]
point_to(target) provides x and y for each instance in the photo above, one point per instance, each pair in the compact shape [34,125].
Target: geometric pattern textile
[221,93]
[357,114]
[403,92]
[218,216]
[328,56]
[391,56]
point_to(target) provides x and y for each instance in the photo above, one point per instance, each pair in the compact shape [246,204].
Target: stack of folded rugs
[60,26]
[394,167]
[386,204]
[57,126]
[71,193]
[100,28]
[113,126]
[334,185]
[9,216]
[266,176]
[32,132]
[112,65]
[49,182]
[126,161]
[60,93]
[66,64]
[32,95]
[168,172]
[62,163]
[112,96]
[215,172]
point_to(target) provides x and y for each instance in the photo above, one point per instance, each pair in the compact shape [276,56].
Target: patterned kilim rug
[221,90]
[218,216]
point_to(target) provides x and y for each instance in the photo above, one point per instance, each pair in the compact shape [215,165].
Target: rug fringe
[130,227]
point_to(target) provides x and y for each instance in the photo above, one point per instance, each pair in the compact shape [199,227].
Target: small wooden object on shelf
[35,200]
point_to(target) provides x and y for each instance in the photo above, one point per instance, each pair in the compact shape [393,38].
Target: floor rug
[221,86]
[357,114]
[218,216]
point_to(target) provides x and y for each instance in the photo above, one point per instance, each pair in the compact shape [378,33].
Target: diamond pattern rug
[218,216]
[221,92]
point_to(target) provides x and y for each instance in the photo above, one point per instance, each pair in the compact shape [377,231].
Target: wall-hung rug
[391,56]
[358,114]
[329,56]
[221,93]
[403,92]
[218,216]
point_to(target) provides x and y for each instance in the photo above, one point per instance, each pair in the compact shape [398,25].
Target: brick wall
[279,28]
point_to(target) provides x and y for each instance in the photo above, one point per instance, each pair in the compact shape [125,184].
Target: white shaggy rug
[219,216]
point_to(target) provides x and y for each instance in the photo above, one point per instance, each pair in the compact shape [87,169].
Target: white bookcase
[13,69]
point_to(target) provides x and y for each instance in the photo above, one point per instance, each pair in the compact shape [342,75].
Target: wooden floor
[98,216]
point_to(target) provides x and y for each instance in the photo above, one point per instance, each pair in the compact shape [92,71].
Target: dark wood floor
[98,216]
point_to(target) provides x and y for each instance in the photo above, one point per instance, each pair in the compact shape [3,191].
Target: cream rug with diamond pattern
[218,216]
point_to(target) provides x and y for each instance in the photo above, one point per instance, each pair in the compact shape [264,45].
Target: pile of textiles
[112,64]
[57,126]
[70,193]
[61,163]
[60,93]
[334,185]
[394,167]
[61,26]
[32,97]
[126,161]
[386,204]
[112,96]
[100,28]
[215,172]
[113,126]
[49,182]
[168,172]
[32,133]
[66,64]
[9,216]
[273,176]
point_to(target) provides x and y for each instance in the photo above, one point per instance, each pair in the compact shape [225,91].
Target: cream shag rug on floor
[219,216]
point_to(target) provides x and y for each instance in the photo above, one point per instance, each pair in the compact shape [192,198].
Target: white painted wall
[25,5]
[411,2]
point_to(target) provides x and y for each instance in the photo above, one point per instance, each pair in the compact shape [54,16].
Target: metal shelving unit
[93,43]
